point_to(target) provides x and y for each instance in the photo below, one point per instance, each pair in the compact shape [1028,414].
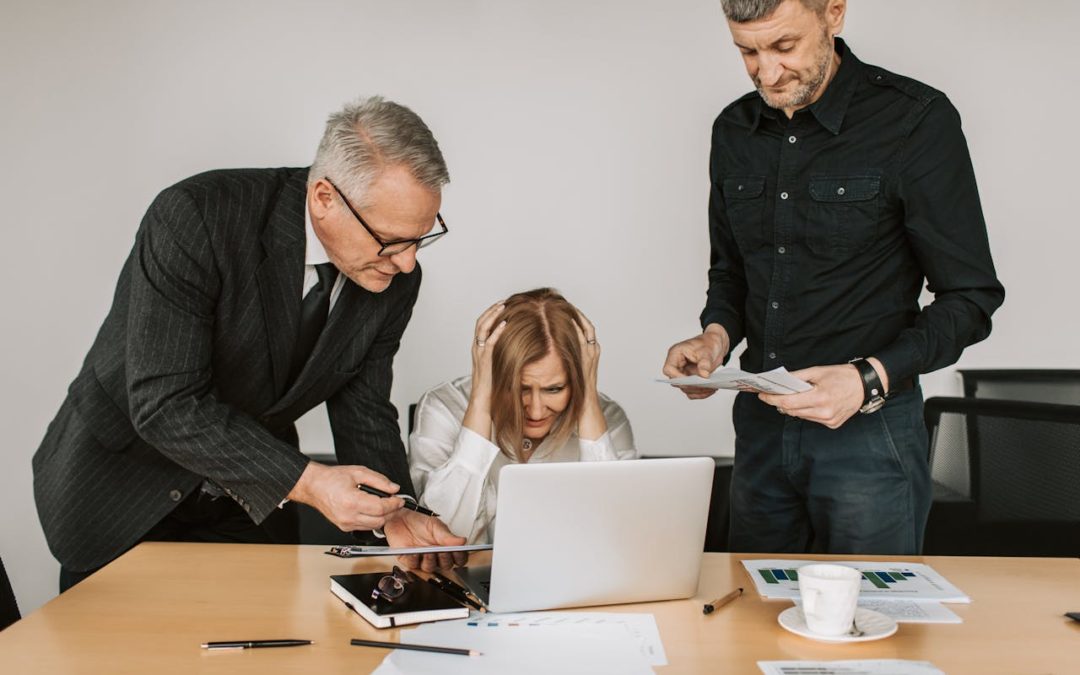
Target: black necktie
[313,312]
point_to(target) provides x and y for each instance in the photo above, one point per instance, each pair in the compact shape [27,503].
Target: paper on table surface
[865,667]
[881,580]
[910,611]
[641,625]
[778,381]
[565,649]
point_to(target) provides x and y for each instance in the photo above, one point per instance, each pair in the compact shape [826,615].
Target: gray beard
[802,95]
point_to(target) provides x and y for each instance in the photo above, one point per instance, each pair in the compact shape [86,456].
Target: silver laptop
[575,534]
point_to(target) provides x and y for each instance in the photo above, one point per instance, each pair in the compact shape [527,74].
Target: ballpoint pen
[410,501]
[449,584]
[458,593]
[720,602]
[254,644]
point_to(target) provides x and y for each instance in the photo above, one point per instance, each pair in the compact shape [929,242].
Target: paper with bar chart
[779,579]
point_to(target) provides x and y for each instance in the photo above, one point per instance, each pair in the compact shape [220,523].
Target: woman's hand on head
[592,425]
[590,353]
[488,330]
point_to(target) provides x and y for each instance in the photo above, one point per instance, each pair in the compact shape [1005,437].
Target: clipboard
[378,551]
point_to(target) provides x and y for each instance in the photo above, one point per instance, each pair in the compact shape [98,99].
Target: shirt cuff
[900,359]
[474,452]
[599,450]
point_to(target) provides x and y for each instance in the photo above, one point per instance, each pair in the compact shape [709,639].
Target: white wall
[577,138]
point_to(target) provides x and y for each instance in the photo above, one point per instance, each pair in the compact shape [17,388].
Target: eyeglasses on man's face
[389,248]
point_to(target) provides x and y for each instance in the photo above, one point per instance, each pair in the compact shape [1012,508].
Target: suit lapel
[281,276]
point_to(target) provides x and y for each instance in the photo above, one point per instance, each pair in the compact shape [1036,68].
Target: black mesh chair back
[1018,461]
[1046,385]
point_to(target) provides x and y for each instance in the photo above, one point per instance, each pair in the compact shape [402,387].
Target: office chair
[1023,384]
[1017,464]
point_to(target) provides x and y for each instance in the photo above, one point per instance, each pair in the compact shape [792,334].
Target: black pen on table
[456,591]
[410,502]
[720,602]
[255,644]
[419,648]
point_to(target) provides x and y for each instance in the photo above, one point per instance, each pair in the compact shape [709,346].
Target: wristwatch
[873,391]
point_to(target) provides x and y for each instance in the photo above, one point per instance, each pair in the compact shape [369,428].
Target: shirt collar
[829,110]
[314,251]
[833,104]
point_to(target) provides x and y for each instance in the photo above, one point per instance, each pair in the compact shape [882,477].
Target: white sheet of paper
[865,667]
[778,381]
[642,626]
[566,649]
[910,611]
[913,581]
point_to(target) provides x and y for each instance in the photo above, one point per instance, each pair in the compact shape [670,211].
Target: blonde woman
[531,397]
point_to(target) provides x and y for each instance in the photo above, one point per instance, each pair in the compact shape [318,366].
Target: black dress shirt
[824,226]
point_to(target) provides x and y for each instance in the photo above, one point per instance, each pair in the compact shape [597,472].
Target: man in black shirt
[837,187]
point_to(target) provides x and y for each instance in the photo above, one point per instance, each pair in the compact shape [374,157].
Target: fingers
[374,479]
[697,393]
[676,361]
[493,337]
[586,328]
[460,558]
[367,512]
[409,562]
[485,322]
[689,357]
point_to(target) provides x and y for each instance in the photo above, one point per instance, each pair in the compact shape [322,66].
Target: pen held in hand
[711,607]
[410,502]
[255,644]
[419,648]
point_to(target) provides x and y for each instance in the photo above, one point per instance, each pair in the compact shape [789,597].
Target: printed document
[778,381]
[778,579]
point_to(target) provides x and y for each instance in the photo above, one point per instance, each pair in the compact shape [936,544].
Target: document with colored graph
[779,580]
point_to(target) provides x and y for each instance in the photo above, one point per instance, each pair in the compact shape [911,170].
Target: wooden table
[149,611]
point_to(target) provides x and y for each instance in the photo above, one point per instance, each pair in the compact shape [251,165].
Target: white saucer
[874,625]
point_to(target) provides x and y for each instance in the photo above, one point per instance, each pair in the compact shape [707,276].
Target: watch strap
[873,390]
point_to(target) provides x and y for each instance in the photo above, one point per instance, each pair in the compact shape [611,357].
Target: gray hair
[370,135]
[742,11]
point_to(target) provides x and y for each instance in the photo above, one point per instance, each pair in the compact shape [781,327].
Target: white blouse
[456,470]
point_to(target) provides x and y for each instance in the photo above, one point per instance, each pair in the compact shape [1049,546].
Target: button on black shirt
[825,226]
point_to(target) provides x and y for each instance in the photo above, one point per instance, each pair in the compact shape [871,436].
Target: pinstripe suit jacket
[186,379]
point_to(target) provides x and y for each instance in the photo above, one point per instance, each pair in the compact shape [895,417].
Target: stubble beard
[804,93]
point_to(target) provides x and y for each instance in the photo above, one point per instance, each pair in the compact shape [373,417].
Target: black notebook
[420,600]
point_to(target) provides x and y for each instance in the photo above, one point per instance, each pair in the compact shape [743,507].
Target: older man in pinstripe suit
[227,325]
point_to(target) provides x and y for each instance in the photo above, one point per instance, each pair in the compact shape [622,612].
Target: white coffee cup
[829,596]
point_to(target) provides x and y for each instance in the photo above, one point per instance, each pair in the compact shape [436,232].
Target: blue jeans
[799,487]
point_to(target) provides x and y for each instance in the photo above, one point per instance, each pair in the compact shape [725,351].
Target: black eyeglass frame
[385,246]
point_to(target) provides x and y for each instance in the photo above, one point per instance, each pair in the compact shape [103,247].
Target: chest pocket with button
[842,217]
[745,200]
